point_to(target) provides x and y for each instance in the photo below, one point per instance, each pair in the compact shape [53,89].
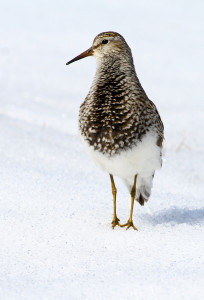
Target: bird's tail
[143,188]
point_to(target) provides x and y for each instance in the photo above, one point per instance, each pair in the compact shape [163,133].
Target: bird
[119,126]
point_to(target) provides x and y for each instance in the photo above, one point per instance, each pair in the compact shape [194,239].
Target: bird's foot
[115,222]
[129,224]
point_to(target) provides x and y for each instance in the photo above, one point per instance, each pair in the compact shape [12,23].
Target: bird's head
[106,44]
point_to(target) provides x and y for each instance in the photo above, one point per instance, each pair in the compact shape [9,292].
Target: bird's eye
[104,41]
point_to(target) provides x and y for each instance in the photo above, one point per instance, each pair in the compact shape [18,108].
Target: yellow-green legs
[114,192]
[132,193]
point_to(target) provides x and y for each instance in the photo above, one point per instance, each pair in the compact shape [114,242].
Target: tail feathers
[143,197]
[142,200]
[143,188]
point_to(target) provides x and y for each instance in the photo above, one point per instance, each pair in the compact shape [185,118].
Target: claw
[115,222]
[129,224]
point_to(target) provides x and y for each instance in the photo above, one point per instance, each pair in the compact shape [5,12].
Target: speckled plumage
[119,126]
[117,113]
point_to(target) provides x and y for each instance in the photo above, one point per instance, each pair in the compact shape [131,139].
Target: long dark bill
[86,53]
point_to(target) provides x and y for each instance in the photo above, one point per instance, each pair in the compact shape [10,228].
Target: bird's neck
[118,72]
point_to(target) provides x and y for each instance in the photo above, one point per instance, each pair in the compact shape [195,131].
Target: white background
[56,240]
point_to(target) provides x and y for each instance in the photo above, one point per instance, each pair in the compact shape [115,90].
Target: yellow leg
[132,193]
[114,192]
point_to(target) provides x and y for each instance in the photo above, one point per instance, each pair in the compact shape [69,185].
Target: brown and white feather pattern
[116,114]
[119,126]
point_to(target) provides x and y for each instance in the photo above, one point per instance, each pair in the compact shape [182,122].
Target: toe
[129,224]
[115,222]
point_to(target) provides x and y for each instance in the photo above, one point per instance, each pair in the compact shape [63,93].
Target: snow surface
[56,240]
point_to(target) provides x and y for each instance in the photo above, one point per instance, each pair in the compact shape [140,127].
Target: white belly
[142,159]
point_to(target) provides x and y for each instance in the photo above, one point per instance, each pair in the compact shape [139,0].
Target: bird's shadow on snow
[176,216]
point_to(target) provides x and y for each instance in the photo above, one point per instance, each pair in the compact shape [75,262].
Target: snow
[56,240]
